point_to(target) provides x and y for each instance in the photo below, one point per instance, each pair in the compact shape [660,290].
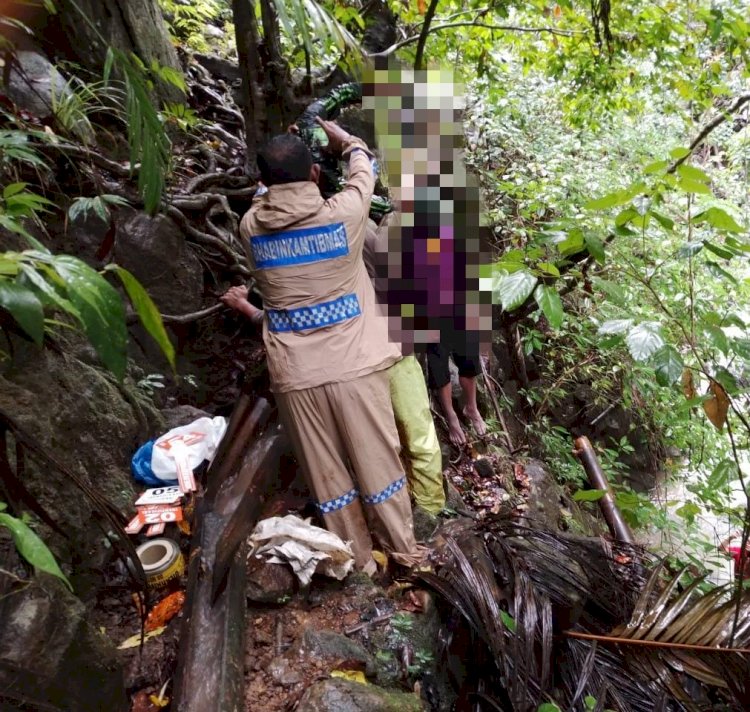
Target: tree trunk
[253,100]
[269,105]
[280,103]
[83,31]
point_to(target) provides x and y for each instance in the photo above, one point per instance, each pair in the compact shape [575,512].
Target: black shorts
[465,356]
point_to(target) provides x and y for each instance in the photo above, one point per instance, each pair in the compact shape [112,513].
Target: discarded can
[162,562]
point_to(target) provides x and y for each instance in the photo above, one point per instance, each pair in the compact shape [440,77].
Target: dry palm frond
[569,617]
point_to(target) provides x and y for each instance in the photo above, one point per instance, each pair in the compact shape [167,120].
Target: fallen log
[210,665]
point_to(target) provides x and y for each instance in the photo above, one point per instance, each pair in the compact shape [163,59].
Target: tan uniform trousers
[352,422]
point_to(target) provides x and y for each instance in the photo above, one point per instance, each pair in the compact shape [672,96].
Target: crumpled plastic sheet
[306,548]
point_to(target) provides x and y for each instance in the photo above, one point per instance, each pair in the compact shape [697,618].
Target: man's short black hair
[284,159]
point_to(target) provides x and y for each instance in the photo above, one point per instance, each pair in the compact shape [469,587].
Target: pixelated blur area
[433,250]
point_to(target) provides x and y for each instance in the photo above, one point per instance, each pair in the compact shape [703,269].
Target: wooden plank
[210,665]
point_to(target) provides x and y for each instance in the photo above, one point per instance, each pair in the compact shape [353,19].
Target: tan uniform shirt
[323,323]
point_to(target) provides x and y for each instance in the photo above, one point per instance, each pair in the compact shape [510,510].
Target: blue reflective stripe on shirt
[298,247]
[315,316]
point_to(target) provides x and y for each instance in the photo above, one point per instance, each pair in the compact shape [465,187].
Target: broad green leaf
[724,473]
[13,188]
[688,185]
[741,347]
[48,290]
[591,495]
[737,245]
[726,380]
[551,305]
[9,265]
[548,268]
[719,250]
[101,311]
[718,271]
[624,217]
[510,267]
[24,306]
[595,247]
[147,311]
[607,201]
[690,248]
[614,291]
[655,167]
[508,621]
[615,326]
[514,289]
[688,511]
[548,707]
[668,365]
[663,220]
[31,547]
[720,219]
[693,173]
[679,152]
[572,244]
[644,340]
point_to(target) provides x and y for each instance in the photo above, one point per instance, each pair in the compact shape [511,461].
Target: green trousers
[411,407]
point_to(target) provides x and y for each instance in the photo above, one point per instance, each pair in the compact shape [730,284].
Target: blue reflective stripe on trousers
[387,493]
[333,505]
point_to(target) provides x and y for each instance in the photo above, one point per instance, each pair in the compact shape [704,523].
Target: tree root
[201,182]
[235,260]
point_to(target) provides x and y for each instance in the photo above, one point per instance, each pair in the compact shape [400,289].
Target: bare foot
[455,431]
[476,420]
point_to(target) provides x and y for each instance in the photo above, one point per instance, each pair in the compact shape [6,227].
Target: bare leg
[471,411]
[456,433]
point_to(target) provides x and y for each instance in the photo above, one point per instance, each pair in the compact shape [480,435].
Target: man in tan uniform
[327,343]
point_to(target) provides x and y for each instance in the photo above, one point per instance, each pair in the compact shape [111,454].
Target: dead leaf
[142,703]
[380,559]
[165,610]
[716,408]
[421,7]
[354,675]
[557,12]
[687,384]
[158,701]
[135,640]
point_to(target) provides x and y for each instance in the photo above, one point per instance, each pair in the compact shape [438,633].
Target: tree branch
[500,28]
[422,39]
[709,127]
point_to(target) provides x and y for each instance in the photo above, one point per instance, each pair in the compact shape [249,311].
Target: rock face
[86,421]
[33,82]
[51,656]
[328,644]
[268,583]
[155,251]
[347,696]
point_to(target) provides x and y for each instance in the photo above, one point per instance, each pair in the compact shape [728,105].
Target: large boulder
[51,657]
[33,83]
[347,696]
[155,251]
[87,421]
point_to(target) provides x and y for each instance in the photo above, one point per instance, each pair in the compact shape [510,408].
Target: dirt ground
[377,617]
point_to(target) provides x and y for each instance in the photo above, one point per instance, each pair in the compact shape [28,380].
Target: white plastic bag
[307,548]
[195,443]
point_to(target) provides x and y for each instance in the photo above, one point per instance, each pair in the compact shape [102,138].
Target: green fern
[98,205]
[186,22]
[148,141]
[76,101]
[309,21]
